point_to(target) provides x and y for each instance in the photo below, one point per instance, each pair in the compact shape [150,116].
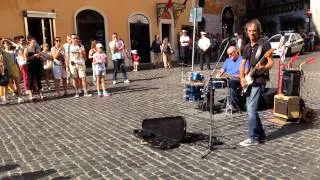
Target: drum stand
[213,140]
[227,102]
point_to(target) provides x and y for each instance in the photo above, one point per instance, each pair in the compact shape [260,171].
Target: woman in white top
[166,51]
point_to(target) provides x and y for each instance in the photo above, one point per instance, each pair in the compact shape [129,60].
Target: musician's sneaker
[248,142]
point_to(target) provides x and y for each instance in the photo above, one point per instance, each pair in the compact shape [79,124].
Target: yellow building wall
[116,13]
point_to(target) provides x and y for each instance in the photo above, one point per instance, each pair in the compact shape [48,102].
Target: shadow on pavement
[128,89]
[133,80]
[8,167]
[34,175]
[291,129]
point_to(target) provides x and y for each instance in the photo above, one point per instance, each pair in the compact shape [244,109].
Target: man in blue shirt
[230,70]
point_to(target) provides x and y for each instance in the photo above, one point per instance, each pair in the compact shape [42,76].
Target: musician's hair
[257,23]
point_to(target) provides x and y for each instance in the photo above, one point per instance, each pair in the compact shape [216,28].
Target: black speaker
[171,128]
[291,82]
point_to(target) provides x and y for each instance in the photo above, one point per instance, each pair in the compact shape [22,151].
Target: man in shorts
[75,64]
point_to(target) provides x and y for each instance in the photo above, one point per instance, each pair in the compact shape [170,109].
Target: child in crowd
[135,59]
[100,62]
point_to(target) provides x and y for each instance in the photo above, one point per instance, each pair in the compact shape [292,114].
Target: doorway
[41,29]
[90,26]
[139,32]
[140,40]
[166,31]
[227,21]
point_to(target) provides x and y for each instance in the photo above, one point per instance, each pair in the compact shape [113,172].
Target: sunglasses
[230,54]
[58,40]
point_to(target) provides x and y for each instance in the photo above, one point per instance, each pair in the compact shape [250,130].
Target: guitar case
[162,133]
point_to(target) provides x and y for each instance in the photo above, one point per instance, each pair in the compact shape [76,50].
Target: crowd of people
[24,59]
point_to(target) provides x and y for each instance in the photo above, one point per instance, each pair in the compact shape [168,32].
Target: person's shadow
[294,127]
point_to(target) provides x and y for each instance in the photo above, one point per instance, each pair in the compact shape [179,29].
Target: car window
[275,38]
[293,38]
[286,38]
[298,36]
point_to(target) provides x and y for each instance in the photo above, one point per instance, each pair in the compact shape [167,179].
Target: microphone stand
[213,139]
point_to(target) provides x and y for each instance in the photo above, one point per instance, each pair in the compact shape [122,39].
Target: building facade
[281,15]
[135,21]
[225,17]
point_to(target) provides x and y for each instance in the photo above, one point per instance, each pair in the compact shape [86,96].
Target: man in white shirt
[75,64]
[204,46]
[184,47]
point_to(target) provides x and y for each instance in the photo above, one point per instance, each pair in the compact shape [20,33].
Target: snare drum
[196,76]
[218,83]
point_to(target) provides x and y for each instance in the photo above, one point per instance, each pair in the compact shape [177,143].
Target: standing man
[184,47]
[156,49]
[117,52]
[75,65]
[204,47]
[253,52]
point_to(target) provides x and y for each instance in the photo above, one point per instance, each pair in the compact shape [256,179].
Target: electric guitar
[248,77]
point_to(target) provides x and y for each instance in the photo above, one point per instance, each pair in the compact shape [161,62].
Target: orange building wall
[116,12]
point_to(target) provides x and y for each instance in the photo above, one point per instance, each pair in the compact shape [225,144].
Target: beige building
[136,21]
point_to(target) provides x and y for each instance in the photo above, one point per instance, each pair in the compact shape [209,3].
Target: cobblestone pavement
[91,137]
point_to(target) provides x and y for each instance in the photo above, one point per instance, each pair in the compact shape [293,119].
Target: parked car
[293,41]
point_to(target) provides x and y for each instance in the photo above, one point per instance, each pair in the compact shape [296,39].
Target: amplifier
[287,107]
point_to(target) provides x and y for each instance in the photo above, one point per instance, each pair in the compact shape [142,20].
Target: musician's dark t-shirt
[254,54]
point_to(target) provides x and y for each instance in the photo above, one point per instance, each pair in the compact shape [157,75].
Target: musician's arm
[242,68]
[242,73]
[269,63]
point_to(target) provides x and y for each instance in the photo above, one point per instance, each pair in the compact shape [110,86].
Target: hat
[203,33]
[134,52]
[99,45]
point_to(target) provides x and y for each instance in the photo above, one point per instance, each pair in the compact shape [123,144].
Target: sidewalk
[91,137]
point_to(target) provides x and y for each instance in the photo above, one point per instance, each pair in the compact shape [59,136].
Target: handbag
[48,64]
[4,78]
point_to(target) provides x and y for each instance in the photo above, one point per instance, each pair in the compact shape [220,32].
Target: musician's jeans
[256,130]
[234,84]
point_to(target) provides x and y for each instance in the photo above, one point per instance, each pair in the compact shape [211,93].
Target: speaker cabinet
[287,107]
[291,82]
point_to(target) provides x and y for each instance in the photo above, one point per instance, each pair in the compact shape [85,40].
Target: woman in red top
[135,59]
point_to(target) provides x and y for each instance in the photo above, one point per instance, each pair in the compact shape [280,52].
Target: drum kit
[198,84]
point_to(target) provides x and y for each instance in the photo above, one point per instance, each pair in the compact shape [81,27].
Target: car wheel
[288,52]
[303,50]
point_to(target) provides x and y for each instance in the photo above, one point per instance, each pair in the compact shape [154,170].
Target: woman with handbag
[166,52]
[47,61]
[35,69]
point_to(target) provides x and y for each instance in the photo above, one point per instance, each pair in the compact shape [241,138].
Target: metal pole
[194,31]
